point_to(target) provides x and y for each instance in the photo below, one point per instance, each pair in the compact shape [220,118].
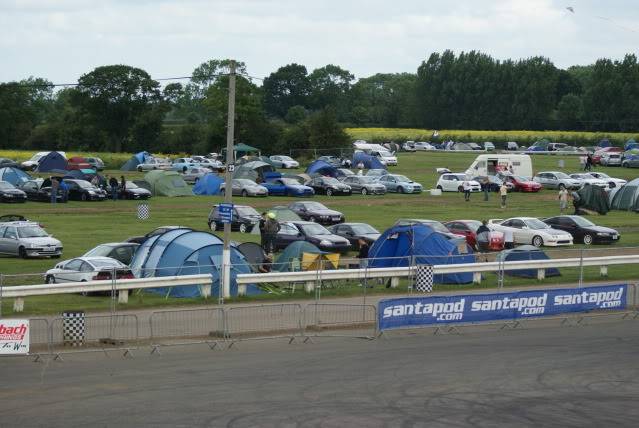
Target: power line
[68,85]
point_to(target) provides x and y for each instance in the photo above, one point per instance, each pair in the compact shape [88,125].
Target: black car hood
[599,229]
[12,192]
[332,238]
[324,212]
[370,236]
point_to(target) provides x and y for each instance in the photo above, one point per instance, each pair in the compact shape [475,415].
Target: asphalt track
[540,376]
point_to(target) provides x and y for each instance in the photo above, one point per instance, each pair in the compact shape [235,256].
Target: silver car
[246,187]
[365,185]
[557,180]
[193,174]
[27,239]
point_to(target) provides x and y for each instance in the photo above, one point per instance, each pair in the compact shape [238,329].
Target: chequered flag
[424,278]
[143,211]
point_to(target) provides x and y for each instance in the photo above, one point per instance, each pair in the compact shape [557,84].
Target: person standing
[486,185]
[113,184]
[503,192]
[588,162]
[262,226]
[466,188]
[575,201]
[64,188]
[55,185]
[122,183]
[563,200]
[271,228]
[362,255]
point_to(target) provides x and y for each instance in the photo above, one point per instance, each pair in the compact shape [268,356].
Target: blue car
[287,187]
[399,183]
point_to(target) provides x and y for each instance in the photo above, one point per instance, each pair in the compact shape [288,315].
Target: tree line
[122,108]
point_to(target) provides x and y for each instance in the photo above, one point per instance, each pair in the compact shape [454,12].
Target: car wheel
[139,169]
[537,241]
[244,193]
[83,197]
[460,189]
[400,189]
[329,192]
[242,228]
[22,253]
[440,188]
[562,186]
[364,191]
[587,239]
[50,279]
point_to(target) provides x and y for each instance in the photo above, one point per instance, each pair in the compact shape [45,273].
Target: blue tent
[208,185]
[136,159]
[525,252]
[14,175]
[53,160]
[630,144]
[399,245]
[604,142]
[322,168]
[369,162]
[81,174]
[187,252]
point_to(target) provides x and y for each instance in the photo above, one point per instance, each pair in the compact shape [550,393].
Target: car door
[70,272]
[11,242]
[449,183]
[237,188]
[521,234]
[288,233]
[568,225]
[391,183]
[3,246]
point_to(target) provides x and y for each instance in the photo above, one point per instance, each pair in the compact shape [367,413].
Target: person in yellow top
[503,192]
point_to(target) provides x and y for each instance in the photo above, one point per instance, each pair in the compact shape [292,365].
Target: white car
[154,163]
[32,164]
[588,179]
[453,183]
[612,182]
[281,161]
[212,164]
[530,230]
[423,145]
[611,159]
[82,269]
[489,146]
[409,146]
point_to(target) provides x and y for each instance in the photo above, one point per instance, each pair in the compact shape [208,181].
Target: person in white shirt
[466,187]
[503,192]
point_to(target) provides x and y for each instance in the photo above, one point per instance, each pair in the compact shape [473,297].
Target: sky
[62,39]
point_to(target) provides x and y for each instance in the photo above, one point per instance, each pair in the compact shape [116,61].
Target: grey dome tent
[593,198]
[627,197]
[187,252]
[254,170]
[14,175]
[525,252]
[52,161]
[136,159]
[253,253]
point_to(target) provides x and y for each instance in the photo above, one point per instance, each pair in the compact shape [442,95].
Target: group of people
[115,186]
[58,186]
[587,162]
[485,185]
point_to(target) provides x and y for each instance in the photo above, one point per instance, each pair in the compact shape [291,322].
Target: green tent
[167,183]
[291,258]
[593,198]
[626,198]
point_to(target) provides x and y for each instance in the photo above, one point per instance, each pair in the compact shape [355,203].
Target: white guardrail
[308,277]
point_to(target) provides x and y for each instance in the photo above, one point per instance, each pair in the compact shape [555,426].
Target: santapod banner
[417,311]
[14,336]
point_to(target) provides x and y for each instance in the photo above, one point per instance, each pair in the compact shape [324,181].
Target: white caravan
[501,162]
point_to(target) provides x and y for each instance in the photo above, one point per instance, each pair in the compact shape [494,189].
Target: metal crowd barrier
[324,319]
[169,328]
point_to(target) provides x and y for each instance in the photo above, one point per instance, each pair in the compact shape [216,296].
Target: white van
[498,162]
[377,150]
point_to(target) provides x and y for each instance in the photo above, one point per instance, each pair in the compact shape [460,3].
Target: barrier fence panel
[324,319]
[187,323]
[264,321]
[104,331]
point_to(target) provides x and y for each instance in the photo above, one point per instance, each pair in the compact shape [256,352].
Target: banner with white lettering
[416,311]
[14,336]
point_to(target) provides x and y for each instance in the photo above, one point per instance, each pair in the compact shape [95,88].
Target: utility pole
[228,187]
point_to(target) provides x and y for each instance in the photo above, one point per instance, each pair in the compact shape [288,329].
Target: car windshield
[561,175]
[106,263]
[247,211]
[385,153]
[6,186]
[402,178]
[131,185]
[366,179]
[331,180]
[600,175]
[314,206]
[580,176]
[286,158]
[290,182]
[85,184]
[315,229]
[31,232]
[99,251]
[245,182]
[582,221]
[533,223]
[363,229]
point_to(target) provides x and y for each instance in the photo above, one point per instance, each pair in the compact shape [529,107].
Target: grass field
[82,225]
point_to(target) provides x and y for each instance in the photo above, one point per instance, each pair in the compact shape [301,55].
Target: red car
[488,241]
[78,162]
[596,158]
[521,184]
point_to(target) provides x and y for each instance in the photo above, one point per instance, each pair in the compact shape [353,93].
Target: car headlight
[91,192]
[603,234]
[325,243]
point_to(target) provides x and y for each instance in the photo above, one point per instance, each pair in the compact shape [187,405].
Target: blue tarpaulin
[322,168]
[208,185]
[401,245]
[369,162]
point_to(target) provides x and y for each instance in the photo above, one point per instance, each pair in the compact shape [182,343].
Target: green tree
[287,87]
[330,87]
[324,130]
[570,111]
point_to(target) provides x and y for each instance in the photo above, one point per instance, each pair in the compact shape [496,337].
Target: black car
[314,233]
[157,231]
[329,186]
[131,191]
[5,162]
[8,193]
[82,190]
[245,218]
[583,230]
[40,190]
[316,212]
[354,231]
